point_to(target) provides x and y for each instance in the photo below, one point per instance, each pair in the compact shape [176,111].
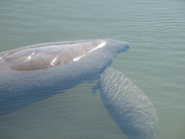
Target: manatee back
[33,73]
[48,55]
[44,56]
[130,108]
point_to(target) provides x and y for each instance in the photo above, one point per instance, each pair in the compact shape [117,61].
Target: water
[156,63]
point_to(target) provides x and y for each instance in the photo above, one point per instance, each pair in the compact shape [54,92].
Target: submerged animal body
[132,111]
[32,73]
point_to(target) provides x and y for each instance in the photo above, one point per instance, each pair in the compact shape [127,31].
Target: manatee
[33,73]
[129,107]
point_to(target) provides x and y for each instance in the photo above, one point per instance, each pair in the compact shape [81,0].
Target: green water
[155,30]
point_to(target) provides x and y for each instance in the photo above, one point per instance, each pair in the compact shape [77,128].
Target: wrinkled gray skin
[32,73]
[132,111]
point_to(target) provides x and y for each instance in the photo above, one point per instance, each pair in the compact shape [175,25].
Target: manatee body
[32,73]
[132,111]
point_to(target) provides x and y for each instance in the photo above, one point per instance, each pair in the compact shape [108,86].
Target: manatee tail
[129,107]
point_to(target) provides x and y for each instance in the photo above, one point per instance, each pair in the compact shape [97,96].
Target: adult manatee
[32,73]
[132,111]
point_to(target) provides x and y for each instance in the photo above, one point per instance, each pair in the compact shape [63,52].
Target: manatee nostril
[125,46]
[128,46]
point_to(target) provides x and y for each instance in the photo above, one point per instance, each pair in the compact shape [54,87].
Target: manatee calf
[132,111]
[32,73]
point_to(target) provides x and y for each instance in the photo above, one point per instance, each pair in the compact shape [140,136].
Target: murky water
[156,63]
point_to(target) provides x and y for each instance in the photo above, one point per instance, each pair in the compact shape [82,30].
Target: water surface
[156,63]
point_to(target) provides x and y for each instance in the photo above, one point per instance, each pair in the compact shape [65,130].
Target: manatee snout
[126,46]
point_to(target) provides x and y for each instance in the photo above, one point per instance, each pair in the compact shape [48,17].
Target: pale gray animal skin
[129,107]
[36,72]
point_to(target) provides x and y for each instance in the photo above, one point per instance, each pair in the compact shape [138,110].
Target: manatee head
[117,46]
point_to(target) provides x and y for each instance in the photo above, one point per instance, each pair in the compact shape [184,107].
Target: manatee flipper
[95,87]
[129,107]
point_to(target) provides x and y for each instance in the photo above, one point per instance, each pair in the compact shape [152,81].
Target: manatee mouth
[126,46]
